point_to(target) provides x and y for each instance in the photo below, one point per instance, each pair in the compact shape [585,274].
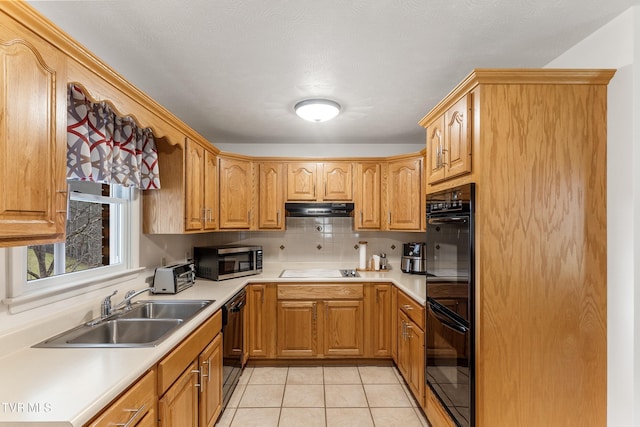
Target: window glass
[93,233]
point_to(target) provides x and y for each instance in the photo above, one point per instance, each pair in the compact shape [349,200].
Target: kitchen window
[98,249]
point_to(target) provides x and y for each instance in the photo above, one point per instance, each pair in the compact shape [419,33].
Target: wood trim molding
[518,76]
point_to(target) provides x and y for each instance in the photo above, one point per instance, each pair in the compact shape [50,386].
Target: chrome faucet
[126,302]
[106,308]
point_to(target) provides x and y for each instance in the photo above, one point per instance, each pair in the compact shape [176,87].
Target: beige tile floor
[329,396]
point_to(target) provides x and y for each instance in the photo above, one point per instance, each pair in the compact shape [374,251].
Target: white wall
[267,149]
[617,45]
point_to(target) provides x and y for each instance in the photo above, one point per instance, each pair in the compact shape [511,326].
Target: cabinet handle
[407,307]
[361,219]
[389,217]
[208,362]
[278,218]
[409,327]
[197,371]
[129,422]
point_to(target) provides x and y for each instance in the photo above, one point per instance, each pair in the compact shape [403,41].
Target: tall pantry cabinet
[538,158]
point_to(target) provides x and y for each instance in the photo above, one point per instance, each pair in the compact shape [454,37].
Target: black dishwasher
[233,344]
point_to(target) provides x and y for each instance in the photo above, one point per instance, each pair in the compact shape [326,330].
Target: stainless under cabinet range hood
[319,209]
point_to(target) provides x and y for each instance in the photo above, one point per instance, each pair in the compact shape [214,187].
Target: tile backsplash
[317,239]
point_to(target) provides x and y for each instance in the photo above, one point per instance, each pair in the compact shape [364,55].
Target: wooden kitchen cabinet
[297,329]
[301,181]
[337,180]
[311,181]
[190,378]
[236,193]
[405,197]
[449,143]
[261,324]
[539,139]
[211,380]
[135,407]
[368,196]
[271,196]
[33,108]
[179,407]
[378,327]
[201,187]
[320,320]
[411,353]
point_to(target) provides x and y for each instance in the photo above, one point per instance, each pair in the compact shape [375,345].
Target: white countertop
[68,386]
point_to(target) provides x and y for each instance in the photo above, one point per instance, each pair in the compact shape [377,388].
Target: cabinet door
[405,197]
[261,326]
[297,328]
[404,352]
[343,328]
[271,196]
[458,138]
[194,153]
[178,407]
[415,380]
[236,190]
[33,121]
[367,196]
[435,151]
[211,378]
[337,181]
[210,201]
[301,181]
[381,320]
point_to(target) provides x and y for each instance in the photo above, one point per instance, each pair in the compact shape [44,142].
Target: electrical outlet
[163,261]
[187,255]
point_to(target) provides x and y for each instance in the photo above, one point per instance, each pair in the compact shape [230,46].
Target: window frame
[24,295]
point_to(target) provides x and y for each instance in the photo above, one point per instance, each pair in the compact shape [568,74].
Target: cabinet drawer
[414,311]
[132,405]
[321,291]
[170,368]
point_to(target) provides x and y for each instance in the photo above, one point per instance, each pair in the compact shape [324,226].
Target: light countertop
[68,386]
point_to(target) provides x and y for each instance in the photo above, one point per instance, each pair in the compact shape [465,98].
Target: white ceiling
[233,69]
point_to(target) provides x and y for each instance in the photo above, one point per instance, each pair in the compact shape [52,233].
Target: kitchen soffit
[234,69]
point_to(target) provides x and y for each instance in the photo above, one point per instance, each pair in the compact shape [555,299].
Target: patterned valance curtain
[105,148]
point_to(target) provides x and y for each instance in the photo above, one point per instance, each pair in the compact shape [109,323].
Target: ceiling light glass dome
[317,110]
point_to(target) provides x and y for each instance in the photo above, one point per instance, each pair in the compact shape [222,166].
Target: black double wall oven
[449,347]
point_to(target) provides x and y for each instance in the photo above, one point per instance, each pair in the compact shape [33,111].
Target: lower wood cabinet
[261,320]
[135,407]
[190,379]
[320,320]
[410,334]
[437,415]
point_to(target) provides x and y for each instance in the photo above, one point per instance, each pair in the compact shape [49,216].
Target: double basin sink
[145,324]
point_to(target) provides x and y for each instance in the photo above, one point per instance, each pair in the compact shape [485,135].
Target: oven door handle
[446,320]
[448,220]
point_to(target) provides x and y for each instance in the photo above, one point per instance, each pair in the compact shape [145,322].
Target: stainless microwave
[227,262]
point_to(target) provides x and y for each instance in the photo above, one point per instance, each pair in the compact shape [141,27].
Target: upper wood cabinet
[405,197]
[271,196]
[368,196]
[301,181]
[236,193]
[449,143]
[328,181]
[201,188]
[33,146]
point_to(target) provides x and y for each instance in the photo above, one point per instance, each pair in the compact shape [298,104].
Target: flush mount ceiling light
[317,110]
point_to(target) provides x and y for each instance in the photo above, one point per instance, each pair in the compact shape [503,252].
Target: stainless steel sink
[164,309]
[146,324]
